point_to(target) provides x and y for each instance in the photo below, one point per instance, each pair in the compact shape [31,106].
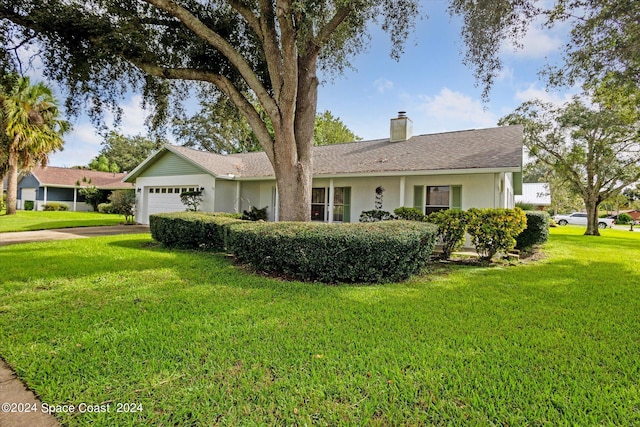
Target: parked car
[580,218]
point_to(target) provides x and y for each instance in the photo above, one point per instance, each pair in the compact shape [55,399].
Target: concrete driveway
[69,233]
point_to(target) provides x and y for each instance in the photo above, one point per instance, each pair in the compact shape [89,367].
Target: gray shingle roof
[493,148]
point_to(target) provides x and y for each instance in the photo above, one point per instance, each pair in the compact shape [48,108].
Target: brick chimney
[401,128]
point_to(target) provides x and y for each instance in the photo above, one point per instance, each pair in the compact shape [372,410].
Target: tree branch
[226,86]
[223,46]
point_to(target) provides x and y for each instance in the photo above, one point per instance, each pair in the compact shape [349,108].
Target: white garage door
[166,199]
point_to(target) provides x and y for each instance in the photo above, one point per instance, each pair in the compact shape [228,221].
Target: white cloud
[382,85]
[83,143]
[506,75]
[537,43]
[533,92]
[450,110]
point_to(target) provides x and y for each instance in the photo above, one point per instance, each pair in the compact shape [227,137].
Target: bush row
[491,230]
[192,230]
[55,206]
[385,251]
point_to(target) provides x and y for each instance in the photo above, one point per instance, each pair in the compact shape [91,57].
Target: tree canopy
[269,50]
[121,153]
[595,149]
[604,41]
[220,128]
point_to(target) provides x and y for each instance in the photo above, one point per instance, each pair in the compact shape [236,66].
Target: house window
[341,204]
[437,199]
[318,204]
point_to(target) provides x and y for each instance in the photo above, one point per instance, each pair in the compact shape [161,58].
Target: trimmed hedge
[537,231]
[192,230]
[352,252]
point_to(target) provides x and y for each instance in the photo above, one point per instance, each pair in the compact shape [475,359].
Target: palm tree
[31,130]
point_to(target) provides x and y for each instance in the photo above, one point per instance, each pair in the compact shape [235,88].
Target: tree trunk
[12,183]
[293,179]
[592,217]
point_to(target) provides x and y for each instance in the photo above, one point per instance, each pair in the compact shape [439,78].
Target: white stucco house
[464,169]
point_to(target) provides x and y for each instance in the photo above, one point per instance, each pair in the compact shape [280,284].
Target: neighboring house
[53,184]
[475,168]
[536,194]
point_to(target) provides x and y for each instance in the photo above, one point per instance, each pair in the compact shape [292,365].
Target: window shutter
[418,197]
[456,197]
[346,215]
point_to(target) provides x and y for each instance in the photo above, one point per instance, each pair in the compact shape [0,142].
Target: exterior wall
[226,197]
[171,165]
[250,195]
[201,181]
[478,190]
[485,190]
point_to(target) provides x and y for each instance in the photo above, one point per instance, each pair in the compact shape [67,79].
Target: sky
[429,82]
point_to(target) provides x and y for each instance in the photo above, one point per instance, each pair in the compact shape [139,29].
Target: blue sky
[429,82]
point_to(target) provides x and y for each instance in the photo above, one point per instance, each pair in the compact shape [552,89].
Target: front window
[437,199]
[320,206]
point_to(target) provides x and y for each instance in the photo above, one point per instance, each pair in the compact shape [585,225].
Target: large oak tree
[594,148]
[268,50]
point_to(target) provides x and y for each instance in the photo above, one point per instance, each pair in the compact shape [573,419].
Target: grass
[42,220]
[193,340]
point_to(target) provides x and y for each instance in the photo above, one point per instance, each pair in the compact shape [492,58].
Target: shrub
[452,226]
[28,205]
[123,202]
[624,219]
[385,251]
[375,216]
[55,206]
[495,230]
[525,206]
[537,231]
[191,230]
[255,214]
[410,214]
[92,196]
[191,199]
[106,208]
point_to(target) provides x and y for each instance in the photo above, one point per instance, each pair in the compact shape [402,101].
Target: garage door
[166,199]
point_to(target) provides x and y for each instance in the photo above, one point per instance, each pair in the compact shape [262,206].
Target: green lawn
[41,220]
[191,339]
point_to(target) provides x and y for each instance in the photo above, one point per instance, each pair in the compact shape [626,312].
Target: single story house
[465,169]
[537,194]
[54,184]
